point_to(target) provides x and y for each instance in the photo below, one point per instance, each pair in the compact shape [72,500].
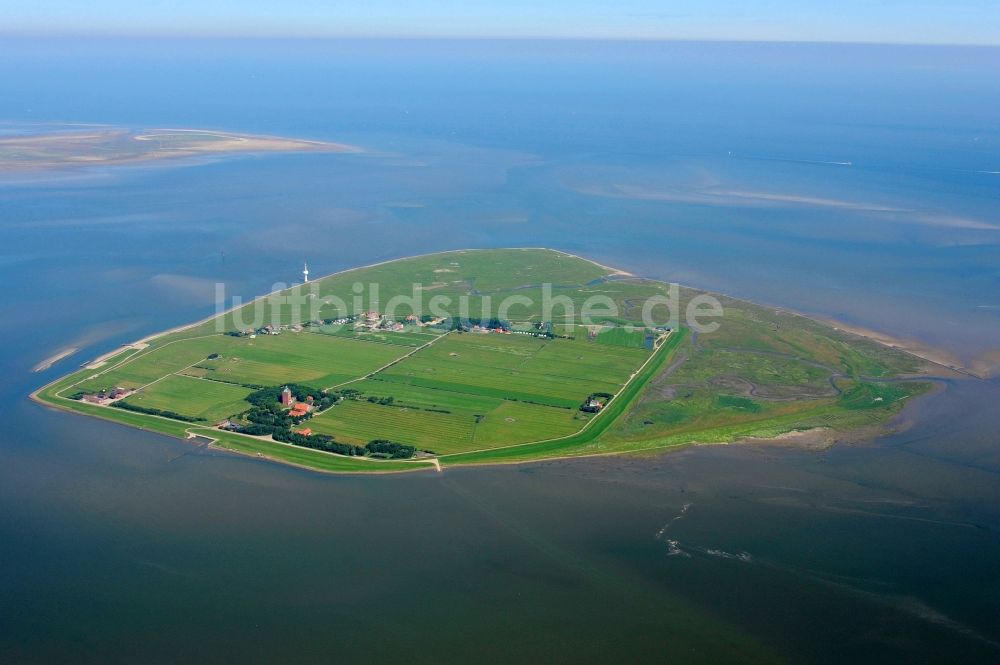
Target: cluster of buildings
[483,329]
[370,321]
[105,397]
[267,330]
[297,409]
[505,328]
[531,333]
[374,321]
[596,402]
[540,329]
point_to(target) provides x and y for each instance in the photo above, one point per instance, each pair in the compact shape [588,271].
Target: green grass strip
[615,410]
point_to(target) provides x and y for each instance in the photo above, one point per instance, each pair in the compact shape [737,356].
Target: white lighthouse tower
[305,273]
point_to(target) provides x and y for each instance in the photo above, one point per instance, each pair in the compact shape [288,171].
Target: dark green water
[122,546]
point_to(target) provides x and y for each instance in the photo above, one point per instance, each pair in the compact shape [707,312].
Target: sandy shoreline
[116,146]
[939,357]
[614,272]
[54,358]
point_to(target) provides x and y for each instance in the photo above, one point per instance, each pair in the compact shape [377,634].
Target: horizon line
[307,37]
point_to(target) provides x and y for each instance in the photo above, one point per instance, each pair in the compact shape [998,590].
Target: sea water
[852,182]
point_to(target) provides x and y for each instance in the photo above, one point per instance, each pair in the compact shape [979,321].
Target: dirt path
[390,364]
[138,354]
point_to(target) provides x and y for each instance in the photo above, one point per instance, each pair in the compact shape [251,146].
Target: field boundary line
[589,423]
[136,356]
[390,364]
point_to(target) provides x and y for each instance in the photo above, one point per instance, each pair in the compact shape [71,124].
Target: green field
[474,398]
[497,390]
[417,417]
[417,397]
[307,358]
[312,359]
[196,398]
[155,362]
[621,336]
[558,373]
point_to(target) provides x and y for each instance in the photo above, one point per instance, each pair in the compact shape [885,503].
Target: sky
[881,21]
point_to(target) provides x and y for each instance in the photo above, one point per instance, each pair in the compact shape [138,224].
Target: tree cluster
[390,449]
[270,398]
[456,323]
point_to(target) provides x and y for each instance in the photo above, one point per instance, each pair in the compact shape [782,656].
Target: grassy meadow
[443,421]
[205,400]
[557,373]
[305,358]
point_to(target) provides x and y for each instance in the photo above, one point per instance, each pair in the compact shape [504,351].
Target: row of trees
[456,323]
[390,449]
[121,404]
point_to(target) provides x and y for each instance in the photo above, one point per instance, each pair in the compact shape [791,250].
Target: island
[44,148]
[491,356]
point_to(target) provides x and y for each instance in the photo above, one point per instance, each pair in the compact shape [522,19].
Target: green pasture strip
[265,360]
[558,373]
[427,398]
[295,358]
[461,430]
[191,397]
[154,363]
[517,422]
[359,422]
[510,390]
[620,336]
[578,442]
